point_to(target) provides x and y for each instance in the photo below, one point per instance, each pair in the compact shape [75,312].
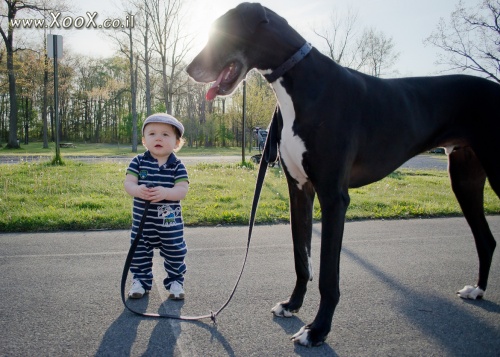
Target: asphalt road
[60,294]
[11,159]
[423,161]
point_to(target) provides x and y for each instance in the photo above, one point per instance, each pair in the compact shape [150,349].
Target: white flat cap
[163,118]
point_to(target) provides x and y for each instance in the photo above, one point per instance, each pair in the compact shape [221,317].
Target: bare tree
[162,14]
[125,40]
[471,39]
[180,48]
[143,31]
[166,20]
[370,51]
[132,57]
[378,53]
[339,37]
[146,59]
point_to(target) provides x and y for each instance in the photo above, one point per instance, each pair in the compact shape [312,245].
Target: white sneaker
[176,291]
[137,291]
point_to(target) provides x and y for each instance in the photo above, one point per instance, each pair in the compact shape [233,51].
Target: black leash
[270,155]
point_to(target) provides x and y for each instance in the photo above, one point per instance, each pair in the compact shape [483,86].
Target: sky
[407,22]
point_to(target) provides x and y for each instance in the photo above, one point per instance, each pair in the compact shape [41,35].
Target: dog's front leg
[301,217]
[333,207]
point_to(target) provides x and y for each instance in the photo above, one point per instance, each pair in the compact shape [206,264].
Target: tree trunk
[146,66]
[133,89]
[98,122]
[26,122]
[45,100]
[170,87]
[165,83]
[12,95]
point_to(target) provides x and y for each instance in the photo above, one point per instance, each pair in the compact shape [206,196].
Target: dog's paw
[471,292]
[280,311]
[302,337]
[306,337]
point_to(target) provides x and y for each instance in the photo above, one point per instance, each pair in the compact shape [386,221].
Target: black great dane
[342,129]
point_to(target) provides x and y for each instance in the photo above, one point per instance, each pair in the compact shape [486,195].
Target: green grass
[80,196]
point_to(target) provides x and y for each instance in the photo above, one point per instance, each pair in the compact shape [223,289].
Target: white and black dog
[342,129]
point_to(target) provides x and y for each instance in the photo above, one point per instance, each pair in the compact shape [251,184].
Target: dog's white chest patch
[292,147]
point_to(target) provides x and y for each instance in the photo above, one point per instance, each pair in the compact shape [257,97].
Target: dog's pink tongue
[212,92]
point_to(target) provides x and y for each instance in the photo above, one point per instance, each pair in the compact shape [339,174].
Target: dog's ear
[252,15]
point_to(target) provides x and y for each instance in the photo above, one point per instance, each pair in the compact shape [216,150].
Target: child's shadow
[121,335]
[165,336]
[163,340]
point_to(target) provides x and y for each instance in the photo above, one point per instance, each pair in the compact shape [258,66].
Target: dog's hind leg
[301,217]
[467,180]
[491,167]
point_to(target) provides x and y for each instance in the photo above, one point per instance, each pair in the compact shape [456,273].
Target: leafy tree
[260,105]
[13,7]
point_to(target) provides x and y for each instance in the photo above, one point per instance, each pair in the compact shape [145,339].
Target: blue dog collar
[292,61]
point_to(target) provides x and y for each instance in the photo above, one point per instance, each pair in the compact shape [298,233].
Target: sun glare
[204,14]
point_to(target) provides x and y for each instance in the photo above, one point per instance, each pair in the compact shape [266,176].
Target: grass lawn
[80,196]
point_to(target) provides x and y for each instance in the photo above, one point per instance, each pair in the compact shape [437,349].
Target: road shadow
[292,325]
[163,341]
[166,333]
[484,304]
[453,327]
[172,327]
[121,335]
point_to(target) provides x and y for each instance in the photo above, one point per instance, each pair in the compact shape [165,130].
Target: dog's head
[245,37]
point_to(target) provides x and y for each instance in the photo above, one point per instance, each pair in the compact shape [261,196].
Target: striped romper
[164,227]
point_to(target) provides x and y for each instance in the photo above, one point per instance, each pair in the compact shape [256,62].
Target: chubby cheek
[146,142]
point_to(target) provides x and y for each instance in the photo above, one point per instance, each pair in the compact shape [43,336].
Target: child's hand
[176,193]
[158,193]
[144,193]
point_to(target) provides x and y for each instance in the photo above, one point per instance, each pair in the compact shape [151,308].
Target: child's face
[160,139]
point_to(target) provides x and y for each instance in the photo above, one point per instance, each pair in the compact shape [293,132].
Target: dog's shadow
[439,314]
